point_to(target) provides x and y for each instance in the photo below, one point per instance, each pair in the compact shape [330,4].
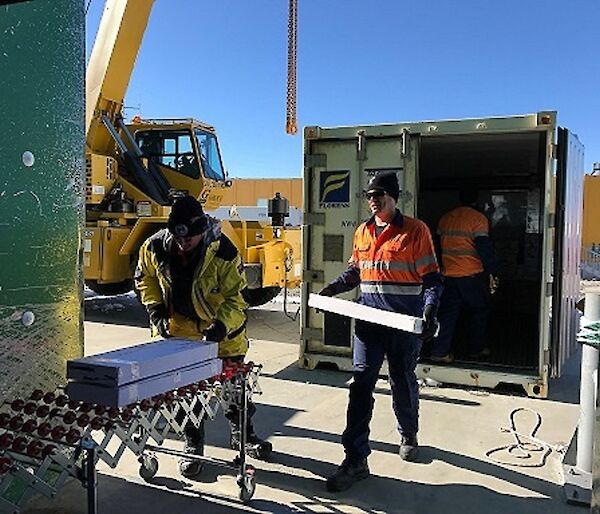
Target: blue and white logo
[334,189]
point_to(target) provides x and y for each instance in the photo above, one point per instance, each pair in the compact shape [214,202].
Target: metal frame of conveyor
[46,438]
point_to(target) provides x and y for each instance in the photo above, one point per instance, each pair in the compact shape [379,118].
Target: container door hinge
[549,288]
[309,333]
[554,150]
[361,145]
[551,220]
[315,160]
[310,275]
[405,148]
[314,218]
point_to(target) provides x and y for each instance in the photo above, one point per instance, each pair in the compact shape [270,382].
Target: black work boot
[409,447]
[347,474]
[194,445]
[256,447]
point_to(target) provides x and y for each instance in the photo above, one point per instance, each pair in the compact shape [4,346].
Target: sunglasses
[375,194]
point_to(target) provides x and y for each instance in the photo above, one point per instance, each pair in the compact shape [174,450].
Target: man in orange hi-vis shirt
[470,276]
[393,262]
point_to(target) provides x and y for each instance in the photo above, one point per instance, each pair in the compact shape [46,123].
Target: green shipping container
[528,172]
[42,62]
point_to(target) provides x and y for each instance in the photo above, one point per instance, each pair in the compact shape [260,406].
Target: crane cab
[187,154]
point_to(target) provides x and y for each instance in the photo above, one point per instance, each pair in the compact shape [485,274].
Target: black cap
[385,181]
[187,217]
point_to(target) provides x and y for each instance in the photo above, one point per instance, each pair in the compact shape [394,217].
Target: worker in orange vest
[394,263]
[470,275]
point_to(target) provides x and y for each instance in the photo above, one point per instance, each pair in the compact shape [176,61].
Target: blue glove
[327,291]
[430,324]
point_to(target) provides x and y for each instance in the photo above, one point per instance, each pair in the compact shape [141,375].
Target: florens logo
[334,189]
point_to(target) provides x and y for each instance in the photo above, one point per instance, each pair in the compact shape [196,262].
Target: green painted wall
[42,65]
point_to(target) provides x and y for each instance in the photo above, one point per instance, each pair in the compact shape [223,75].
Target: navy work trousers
[371,344]
[469,293]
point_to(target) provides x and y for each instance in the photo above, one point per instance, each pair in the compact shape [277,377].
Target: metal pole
[243,423]
[92,480]
[587,392]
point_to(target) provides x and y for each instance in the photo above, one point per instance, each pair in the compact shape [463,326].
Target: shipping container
[529,176]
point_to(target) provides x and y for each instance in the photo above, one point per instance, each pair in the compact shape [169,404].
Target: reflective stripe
[391,289]
[398,266]
[426,261]
[388,266]
[460,233]
[460,251]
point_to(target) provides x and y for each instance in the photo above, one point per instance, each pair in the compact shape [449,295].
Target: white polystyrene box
[126,365]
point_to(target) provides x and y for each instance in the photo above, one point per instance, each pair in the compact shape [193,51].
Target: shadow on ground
[124,309]
[376,494]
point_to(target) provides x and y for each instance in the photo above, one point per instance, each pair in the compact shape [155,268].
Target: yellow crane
[135,171]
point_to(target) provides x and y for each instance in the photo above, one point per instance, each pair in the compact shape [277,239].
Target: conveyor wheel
[247,484]
[148,466]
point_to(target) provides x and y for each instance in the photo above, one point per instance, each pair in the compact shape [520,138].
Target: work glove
[494,283]
[430,324]
[159,317]
[216,332]
[327,291]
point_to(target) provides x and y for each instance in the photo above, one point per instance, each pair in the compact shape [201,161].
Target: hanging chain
[290,119]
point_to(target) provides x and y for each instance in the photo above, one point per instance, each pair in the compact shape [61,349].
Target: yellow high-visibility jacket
[216,291]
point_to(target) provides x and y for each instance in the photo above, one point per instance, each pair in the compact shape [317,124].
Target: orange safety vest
[457,230]
[395,262]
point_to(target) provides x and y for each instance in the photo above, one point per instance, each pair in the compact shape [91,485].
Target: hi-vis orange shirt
[395,262]
[457,230]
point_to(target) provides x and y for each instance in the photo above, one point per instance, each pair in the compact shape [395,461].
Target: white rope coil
[589,332]
[527,447]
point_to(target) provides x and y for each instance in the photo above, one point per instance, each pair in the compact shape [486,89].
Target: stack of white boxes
[129,375]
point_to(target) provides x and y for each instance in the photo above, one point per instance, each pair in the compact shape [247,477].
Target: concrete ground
[303,413]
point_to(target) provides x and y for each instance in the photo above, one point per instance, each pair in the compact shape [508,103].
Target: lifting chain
[290,119]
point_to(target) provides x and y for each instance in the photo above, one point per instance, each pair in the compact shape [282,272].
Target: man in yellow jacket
[190,278]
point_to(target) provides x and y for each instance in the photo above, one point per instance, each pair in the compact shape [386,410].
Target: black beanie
[385,181]
[184,210]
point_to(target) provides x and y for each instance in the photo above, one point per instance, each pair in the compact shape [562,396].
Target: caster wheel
[260,451]
[148,467]
[247,484]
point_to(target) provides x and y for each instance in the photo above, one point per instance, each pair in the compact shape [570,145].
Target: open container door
[338,164]
[567,249]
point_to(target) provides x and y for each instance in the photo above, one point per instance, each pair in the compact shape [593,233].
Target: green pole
[42,62]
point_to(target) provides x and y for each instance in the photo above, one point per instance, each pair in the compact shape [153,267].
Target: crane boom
[111,64]
[135,171]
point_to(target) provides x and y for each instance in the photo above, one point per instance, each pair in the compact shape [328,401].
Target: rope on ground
[589,333]
[527,446]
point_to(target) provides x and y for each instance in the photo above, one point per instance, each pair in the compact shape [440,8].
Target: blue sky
[363,62]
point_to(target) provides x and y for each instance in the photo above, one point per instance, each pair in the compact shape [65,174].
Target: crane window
[209,155]
[171,148]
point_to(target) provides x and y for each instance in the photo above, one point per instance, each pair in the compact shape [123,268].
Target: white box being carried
[529,175]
